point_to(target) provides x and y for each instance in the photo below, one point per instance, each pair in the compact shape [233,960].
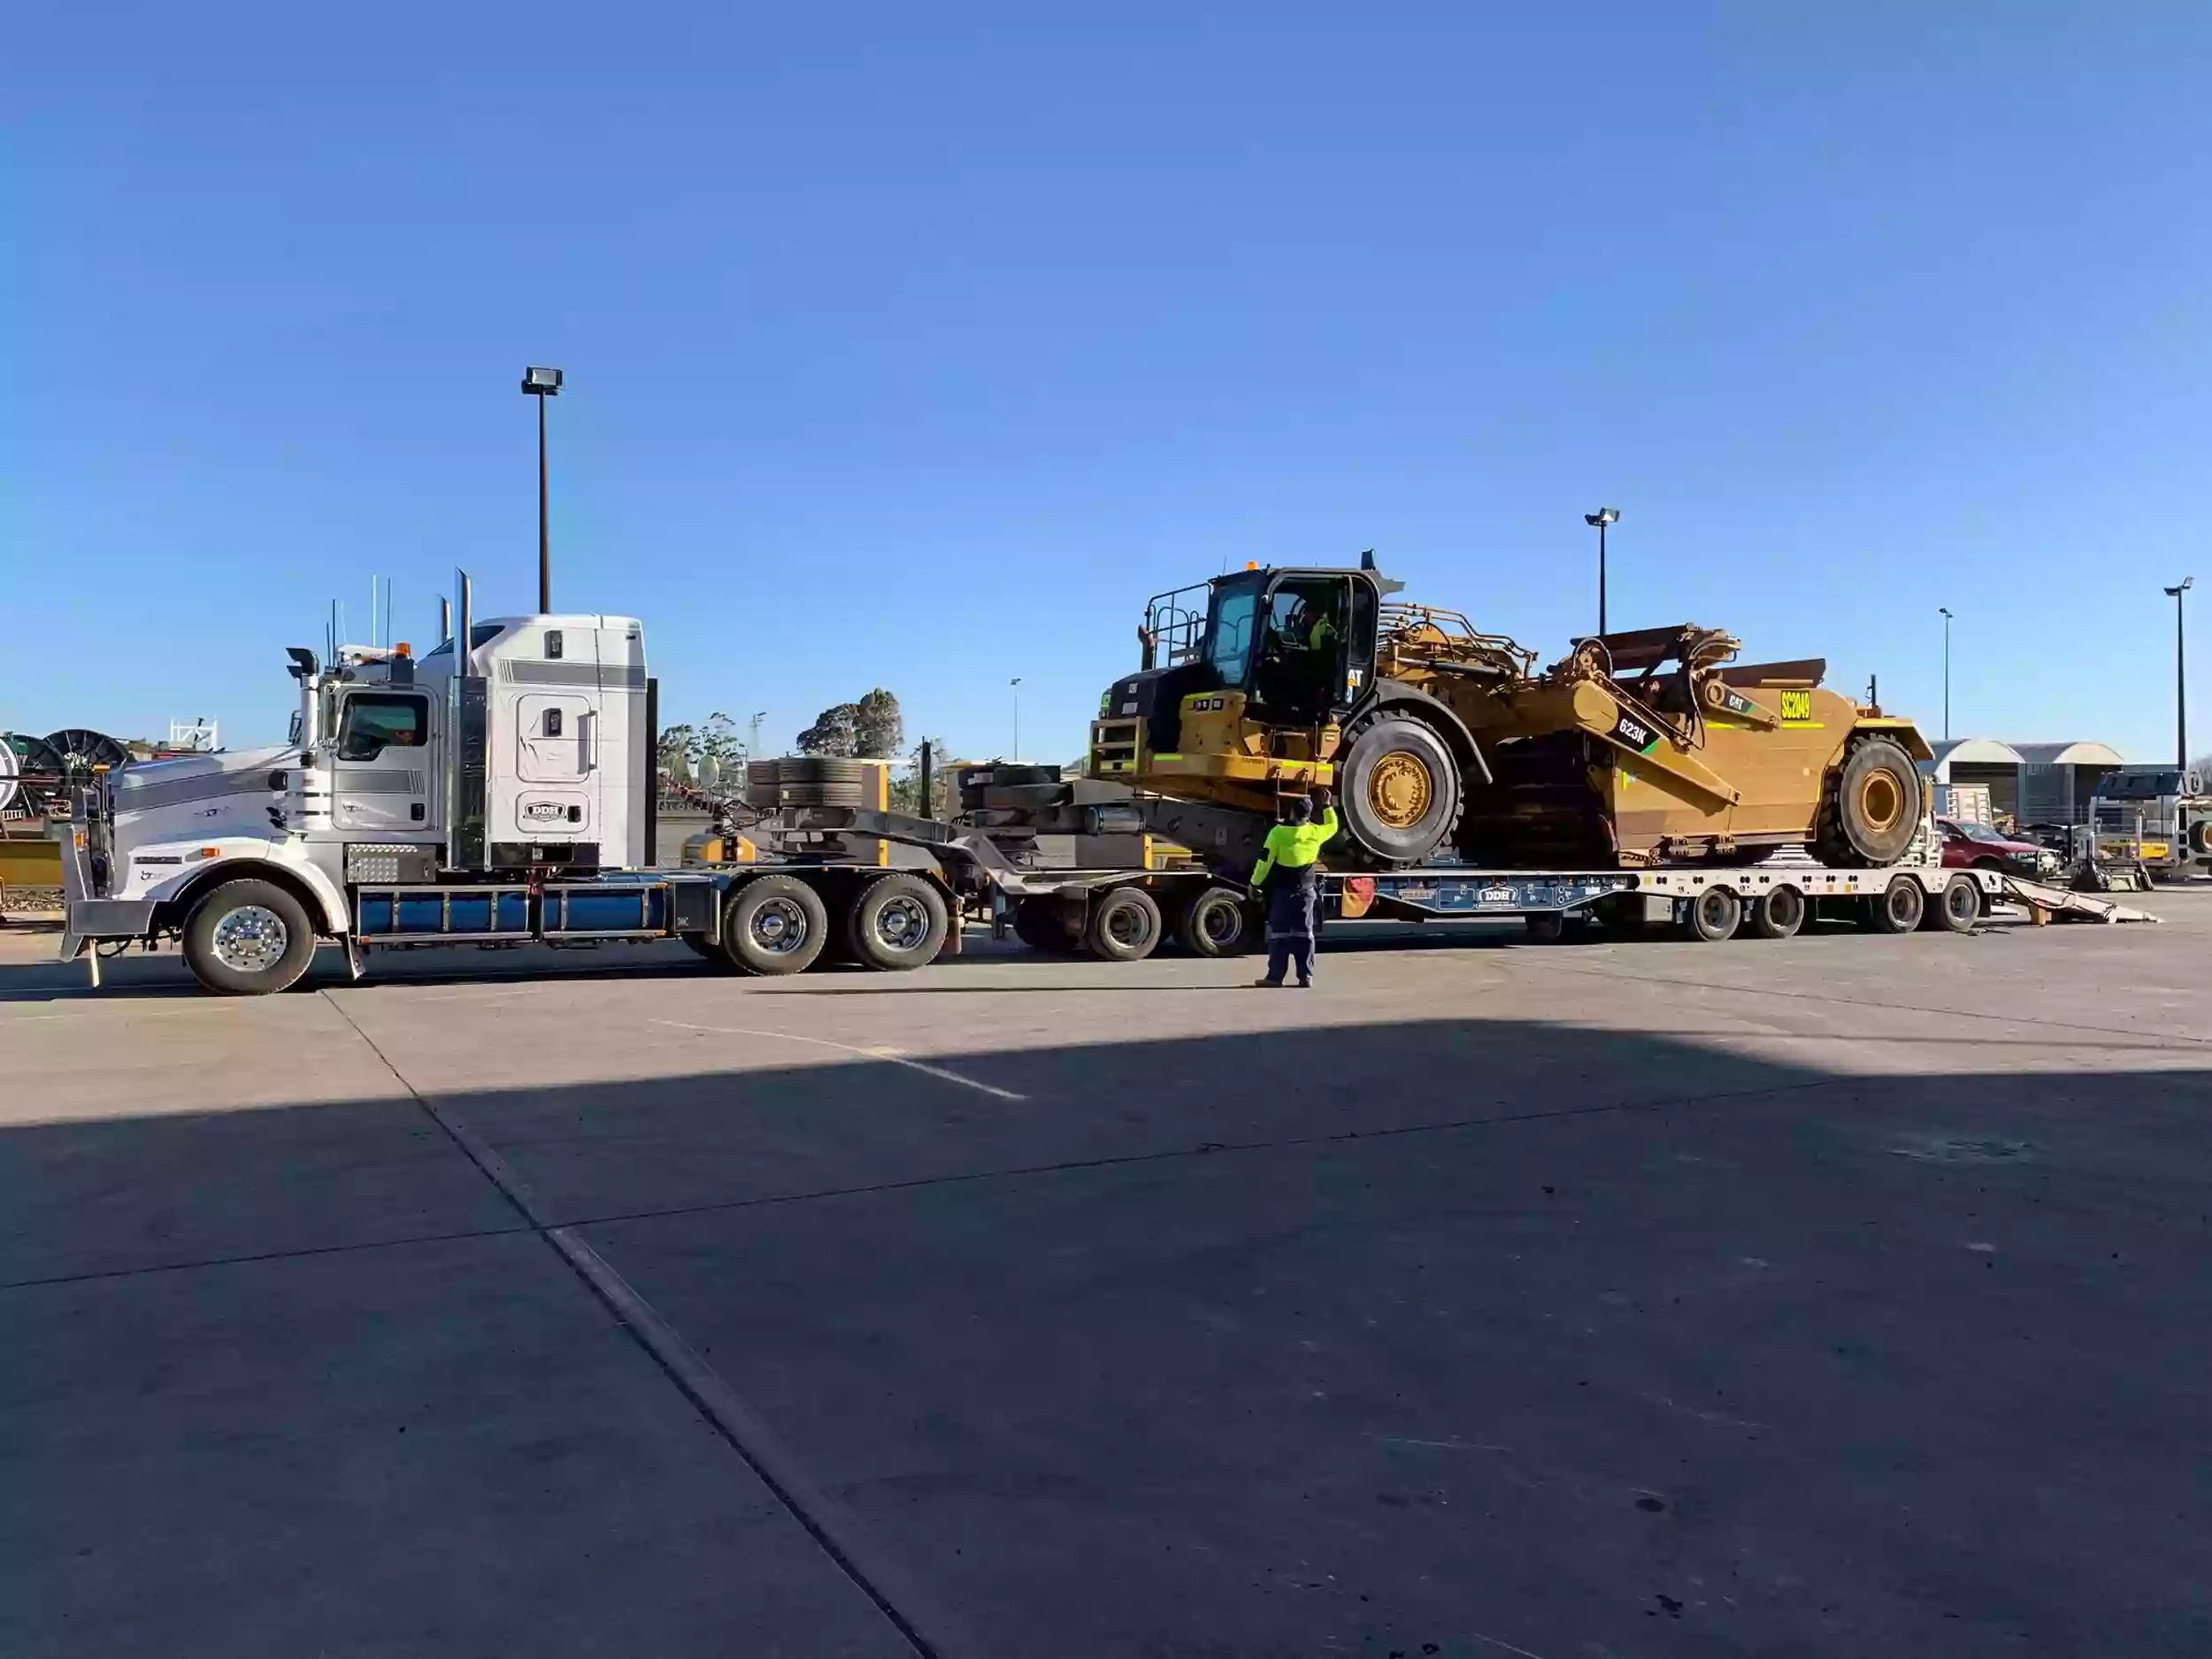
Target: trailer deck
[1124,914]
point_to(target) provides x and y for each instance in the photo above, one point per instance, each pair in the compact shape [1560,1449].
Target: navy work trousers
[1290,922]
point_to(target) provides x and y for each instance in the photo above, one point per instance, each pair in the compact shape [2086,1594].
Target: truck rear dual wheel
[898,922]
[773,926]
[248,938]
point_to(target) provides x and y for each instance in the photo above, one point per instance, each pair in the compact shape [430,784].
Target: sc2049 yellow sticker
[1796,708]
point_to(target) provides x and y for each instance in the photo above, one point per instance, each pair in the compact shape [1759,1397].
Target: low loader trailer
[1207,910]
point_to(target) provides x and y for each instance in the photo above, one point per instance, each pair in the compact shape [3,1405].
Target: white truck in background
[499,789]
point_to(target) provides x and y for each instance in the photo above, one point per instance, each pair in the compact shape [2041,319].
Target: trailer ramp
[2043,904]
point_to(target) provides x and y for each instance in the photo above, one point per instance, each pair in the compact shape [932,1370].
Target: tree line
[870,727]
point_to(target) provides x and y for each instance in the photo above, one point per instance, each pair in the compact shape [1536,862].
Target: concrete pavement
[1830,1297]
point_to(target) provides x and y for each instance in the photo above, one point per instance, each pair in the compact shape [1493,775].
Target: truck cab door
[381,773]
[1310,649]
[1356,665]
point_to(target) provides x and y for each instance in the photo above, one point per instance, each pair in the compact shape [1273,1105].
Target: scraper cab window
[374,723]
[1231,650]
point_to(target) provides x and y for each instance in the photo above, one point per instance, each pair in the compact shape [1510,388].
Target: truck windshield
[1229,641]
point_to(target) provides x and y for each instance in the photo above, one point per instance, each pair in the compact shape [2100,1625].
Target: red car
[1978,847]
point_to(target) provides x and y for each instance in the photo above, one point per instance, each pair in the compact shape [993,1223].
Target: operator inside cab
[1303,649]
[1311,627]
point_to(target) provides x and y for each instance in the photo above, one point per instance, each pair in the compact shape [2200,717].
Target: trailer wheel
[1215,922]
[1546,927]
[1045,925]
[1124,926]
[1777,913]
[1900,907]
[1961,906]
[898,922]
[1713,915]
[775,924]
[248,938]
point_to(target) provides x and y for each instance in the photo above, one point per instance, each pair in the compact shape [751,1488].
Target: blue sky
[915,346]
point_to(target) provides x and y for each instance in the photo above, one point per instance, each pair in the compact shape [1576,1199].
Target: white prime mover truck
[499,789]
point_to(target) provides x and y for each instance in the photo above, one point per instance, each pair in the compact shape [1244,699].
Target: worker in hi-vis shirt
[1289,878]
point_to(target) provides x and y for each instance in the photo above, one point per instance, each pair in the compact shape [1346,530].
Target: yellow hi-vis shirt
[1293,846]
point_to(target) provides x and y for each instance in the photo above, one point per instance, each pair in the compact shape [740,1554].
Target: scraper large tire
[1874,805]
[1399,793]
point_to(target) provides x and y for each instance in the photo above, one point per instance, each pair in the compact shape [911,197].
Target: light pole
[1602,517]
[542,384]
[1946,610]
[1016,683]
[2181,678]
[752,744]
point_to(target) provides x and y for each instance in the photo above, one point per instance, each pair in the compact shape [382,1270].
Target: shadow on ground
[1451,1336]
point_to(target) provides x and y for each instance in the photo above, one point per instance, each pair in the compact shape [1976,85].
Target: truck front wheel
[248,938]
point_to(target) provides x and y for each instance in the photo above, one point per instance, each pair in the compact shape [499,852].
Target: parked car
[1978,847]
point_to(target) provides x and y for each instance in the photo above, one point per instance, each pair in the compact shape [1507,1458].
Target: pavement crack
[834,1532]
[296,1253]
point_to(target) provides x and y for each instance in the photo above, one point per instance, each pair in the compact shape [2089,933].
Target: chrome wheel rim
[778,927]
[903,922]
[250,939]
[1128,924]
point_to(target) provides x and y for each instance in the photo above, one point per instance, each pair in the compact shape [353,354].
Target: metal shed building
[2030,783]
[2056,780]
[1982,760]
